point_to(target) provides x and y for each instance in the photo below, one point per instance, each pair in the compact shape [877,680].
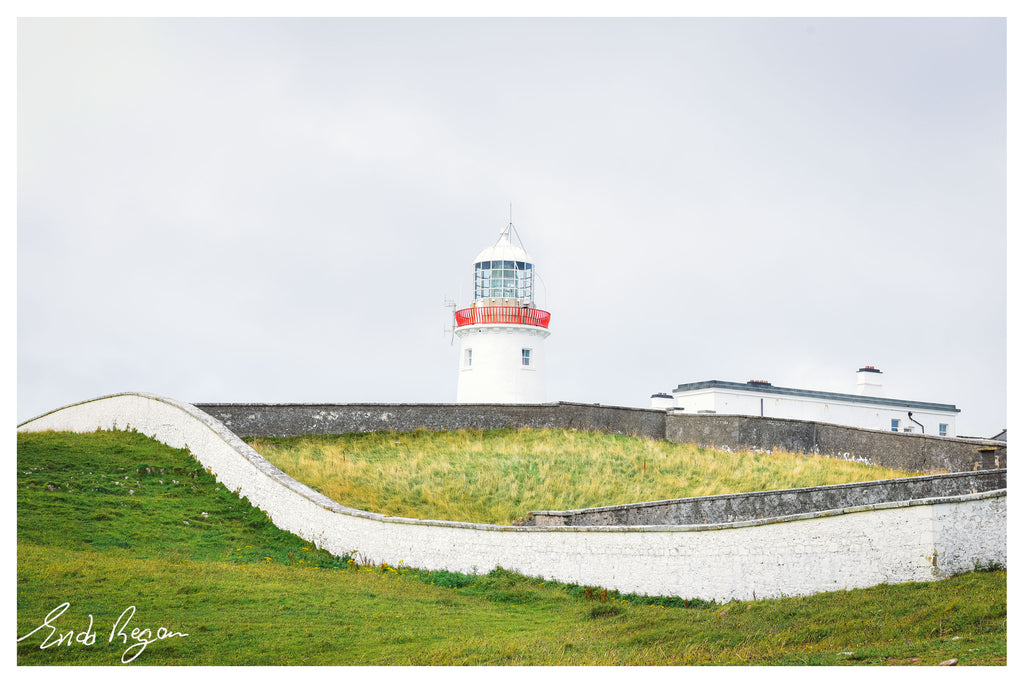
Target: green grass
[500,476]
[249,594]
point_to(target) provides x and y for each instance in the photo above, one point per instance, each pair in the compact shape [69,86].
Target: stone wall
[739,507]
[907,452]
[897,450]
[795,555]
[294,419]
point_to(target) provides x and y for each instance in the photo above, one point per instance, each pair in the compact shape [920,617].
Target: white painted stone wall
[798,555]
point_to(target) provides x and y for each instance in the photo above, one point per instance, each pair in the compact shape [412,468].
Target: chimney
[869,381]
[663,401]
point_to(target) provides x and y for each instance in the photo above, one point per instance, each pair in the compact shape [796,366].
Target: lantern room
[503,274]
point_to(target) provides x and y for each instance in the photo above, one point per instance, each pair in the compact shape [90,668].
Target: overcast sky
[274,210]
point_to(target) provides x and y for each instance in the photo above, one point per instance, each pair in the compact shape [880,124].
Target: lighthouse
[502,333]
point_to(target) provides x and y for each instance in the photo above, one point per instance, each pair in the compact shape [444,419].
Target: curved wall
[794,555]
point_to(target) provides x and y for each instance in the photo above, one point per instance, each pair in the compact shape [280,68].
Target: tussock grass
[500,476]
[102,525]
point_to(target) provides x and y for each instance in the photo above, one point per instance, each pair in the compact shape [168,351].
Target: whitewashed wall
[727,401]
[799,555]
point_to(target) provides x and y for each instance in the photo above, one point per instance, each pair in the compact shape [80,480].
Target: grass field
[111,520]
[500,476]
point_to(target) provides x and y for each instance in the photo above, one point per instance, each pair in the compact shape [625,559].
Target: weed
[990,566]
[605,610]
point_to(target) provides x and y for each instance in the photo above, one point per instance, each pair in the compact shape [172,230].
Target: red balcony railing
[511,315]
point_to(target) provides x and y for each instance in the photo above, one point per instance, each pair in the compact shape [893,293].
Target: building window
[895,425]
[942,428]
[526,357]
[468,361]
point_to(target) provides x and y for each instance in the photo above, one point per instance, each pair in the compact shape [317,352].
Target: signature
[139,637]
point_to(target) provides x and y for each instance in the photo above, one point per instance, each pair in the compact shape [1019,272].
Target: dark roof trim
[828,395]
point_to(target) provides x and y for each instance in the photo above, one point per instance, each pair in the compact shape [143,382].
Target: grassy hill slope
[111,520]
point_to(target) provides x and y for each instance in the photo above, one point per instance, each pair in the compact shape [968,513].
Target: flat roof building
[867,408]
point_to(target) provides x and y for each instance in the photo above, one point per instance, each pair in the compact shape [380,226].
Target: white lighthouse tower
[502,333]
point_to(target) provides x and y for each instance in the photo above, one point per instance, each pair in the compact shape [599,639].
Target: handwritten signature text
[138,637]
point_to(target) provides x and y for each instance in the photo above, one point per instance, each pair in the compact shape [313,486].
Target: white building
[867,407]
[502,333]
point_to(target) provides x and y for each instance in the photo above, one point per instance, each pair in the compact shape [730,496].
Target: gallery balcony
[502,315]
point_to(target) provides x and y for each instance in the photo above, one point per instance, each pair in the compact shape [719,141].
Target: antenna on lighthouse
[450,331]
[510,229]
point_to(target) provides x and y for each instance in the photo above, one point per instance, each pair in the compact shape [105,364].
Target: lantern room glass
[503,280]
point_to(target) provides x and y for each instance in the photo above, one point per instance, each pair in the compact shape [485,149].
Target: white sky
[273,210]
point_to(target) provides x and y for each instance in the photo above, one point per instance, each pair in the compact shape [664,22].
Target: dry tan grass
[499,476]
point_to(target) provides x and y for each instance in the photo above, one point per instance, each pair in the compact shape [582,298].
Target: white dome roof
[504,250]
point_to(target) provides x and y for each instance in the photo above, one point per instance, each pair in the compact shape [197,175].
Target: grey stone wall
[907,452]
[293,419]
[740,507]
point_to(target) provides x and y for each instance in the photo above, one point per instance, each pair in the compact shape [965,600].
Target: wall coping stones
[468,406]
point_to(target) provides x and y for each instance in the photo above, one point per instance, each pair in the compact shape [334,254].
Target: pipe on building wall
[911,416]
